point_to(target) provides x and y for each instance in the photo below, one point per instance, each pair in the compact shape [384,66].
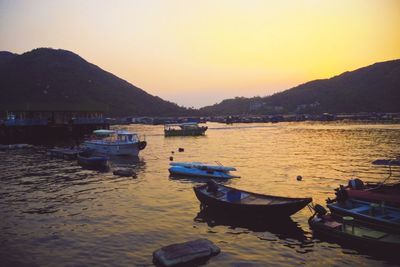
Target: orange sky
[197,53]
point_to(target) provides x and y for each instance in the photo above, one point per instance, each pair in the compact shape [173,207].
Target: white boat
[117,143]
[198,169]
[204,166]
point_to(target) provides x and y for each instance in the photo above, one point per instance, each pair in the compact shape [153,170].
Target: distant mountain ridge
[50,79]
[375,88]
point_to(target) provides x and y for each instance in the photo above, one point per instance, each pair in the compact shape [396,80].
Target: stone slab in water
[184,253]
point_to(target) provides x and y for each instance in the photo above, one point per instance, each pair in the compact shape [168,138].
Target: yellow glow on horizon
[181,50]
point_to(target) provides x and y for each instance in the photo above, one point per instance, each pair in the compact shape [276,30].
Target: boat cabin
[181,126]
[117,136]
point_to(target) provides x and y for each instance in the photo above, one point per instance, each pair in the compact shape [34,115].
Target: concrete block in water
[183,253]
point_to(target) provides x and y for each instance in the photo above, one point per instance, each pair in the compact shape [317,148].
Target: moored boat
[242,203]
[92,160]
[373,192]
[378,215]
[184,129]
[197,169]
[352,233]
[117,143]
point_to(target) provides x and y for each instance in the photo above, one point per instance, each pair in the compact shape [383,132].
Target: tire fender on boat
[142,145]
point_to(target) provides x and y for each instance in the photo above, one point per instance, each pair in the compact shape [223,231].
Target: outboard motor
[212,186]
[356,184]
[320,210]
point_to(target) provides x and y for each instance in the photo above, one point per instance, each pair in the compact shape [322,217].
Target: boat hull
[390,195]
[195,172]
[239,210]
[186,132]
[114,149]
[203,166]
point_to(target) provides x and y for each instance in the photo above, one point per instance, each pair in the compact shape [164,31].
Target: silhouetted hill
[46,78]
[375,88]
[6,56]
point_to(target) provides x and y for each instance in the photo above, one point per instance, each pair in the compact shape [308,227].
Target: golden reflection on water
[91,218]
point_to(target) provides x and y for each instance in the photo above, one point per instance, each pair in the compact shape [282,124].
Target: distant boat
[352,233]
[379,215]
[197,169]
[118,143]
[184,129]
[392,162]
[89,159]
[242,203]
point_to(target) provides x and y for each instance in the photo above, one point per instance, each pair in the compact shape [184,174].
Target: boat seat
[255,200]
[374,234]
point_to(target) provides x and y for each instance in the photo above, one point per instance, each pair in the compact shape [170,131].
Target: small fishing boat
[379,215]
[89,159]
[117,143]
[198,169]
[242,203]
[372,192]
[64,153]
[184,129]
[351,233]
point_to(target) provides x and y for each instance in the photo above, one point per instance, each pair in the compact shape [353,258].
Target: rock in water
[184,253]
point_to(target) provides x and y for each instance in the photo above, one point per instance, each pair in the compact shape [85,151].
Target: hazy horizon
[199,53]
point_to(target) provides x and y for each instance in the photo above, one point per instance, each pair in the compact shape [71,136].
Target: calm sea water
[54,213]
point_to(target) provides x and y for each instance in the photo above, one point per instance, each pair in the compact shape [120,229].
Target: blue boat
[353,234]
[197,169]
[379,215]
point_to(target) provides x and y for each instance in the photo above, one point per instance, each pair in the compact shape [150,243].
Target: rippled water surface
[54,213]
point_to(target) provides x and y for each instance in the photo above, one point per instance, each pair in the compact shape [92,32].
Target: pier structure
[42,126]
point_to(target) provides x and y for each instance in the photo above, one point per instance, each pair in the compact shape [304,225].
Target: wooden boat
[88,159]
[197,169]
[352,233]
[379,215]
[184,129]
[242,203]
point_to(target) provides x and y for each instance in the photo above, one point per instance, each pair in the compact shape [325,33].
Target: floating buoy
[299,178]
[181,149]
[171,158]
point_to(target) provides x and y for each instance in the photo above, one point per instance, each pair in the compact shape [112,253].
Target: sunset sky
[197,53]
